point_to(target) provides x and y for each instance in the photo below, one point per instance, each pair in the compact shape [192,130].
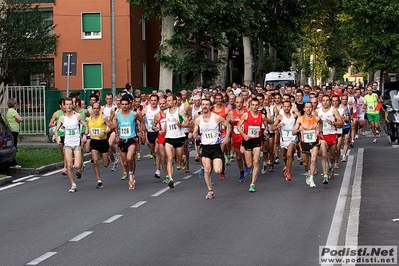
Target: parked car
[7,149]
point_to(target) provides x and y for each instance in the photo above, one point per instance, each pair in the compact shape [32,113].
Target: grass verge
[34,157]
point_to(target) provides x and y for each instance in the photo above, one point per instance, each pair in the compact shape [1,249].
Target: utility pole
[113,72]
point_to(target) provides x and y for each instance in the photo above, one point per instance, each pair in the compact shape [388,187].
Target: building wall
[131,52]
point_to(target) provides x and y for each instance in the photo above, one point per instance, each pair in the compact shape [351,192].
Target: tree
[25,41]
[372,27]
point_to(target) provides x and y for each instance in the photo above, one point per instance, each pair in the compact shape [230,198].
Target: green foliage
[34,157]
[372,28]
[26,40]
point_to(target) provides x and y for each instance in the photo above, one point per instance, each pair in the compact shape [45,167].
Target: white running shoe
[375,141]
[311,181]
[356,136]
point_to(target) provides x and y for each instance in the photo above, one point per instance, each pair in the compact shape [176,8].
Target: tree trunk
[248,60]
[166,72]
[261,58]
[223,55]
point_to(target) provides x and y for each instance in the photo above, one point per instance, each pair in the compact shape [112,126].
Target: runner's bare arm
[276,123]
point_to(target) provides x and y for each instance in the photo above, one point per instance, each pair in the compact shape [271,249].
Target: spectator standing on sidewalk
[14,119]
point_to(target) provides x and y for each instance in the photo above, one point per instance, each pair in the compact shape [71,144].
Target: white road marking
[395,220]
[196,172]
[352,229]
[11,186]
[41,258]
[22,178]
[113,218]
[52,173]
[335,228]
[81,236]
[187,177]
[156,194]
[138,204]
[33,179]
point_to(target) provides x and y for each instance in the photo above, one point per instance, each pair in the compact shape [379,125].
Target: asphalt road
[283,223]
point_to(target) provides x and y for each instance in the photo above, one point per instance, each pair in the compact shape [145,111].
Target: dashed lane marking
[81,236]
[22,178]
[41,258]
[138,204]
[113,218]
[11,186]
[187,177]
[156,194]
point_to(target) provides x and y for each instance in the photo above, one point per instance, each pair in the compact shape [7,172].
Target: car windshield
[280,82]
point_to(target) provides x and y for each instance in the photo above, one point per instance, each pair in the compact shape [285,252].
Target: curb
[38,171]
[5,180]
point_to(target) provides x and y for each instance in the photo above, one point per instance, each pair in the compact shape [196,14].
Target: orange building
[84,27]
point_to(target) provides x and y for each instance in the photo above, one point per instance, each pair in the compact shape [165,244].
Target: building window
[92,76]
[91,26]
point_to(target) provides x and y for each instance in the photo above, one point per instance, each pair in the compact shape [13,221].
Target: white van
[280,78]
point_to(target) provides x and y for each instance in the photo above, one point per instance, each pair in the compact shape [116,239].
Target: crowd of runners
[222,124]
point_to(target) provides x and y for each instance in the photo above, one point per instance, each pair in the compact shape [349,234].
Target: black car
[7,149]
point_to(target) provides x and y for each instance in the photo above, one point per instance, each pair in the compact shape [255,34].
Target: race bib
[370,107]
[253,131]
[235,130]
[71,132]
[309,136]
[173,127]
[287,134]
[124,131]
[210,137]
[326,125]
[95,131]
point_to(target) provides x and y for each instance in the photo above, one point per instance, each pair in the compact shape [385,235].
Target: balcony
[13,2]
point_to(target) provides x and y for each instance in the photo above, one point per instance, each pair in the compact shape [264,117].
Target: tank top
[235,134]
[253,125]
[310,129]
[72,131]
[195,111]
[161,123]
[61,130]
[209,131]
[149,118]
[182,107]
[173,131]
[107,110]
[222,113]
[83,114]
[271,109]
[327,128]
[95,128]
[126,126]
[286,130]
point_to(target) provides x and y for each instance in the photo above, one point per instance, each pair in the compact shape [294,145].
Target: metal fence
[31,107]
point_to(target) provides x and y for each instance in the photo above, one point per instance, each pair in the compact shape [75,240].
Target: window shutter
[91,22]
[92,76]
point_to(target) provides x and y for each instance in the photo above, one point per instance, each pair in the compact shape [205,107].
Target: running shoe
[72,189]
[284,169]
[343,159]
[325,179]
[222,176]
[300,161]
[252,188]
[242,178]
[114,167]
[132,184]
[171,183]
[184,162]
[311,181]
[269,162]
[197,158]
[201,173]
[330,169]
[363,134]
[151,155]
[264,168]
[78,174]
[82,168]
[210,195]
[247,169]
[166,180]
[332,175]
[99,184]
[116,156]
[276,161]
[138,156]
[231,157]
[187,170]
[226,160]
[271,168]
[356,136]
[377,131]
[64,171]
[157,176]
[375,141]
[336,166]
[178,167]
[352,144]
[124,176]
[307,180]
[288,176]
